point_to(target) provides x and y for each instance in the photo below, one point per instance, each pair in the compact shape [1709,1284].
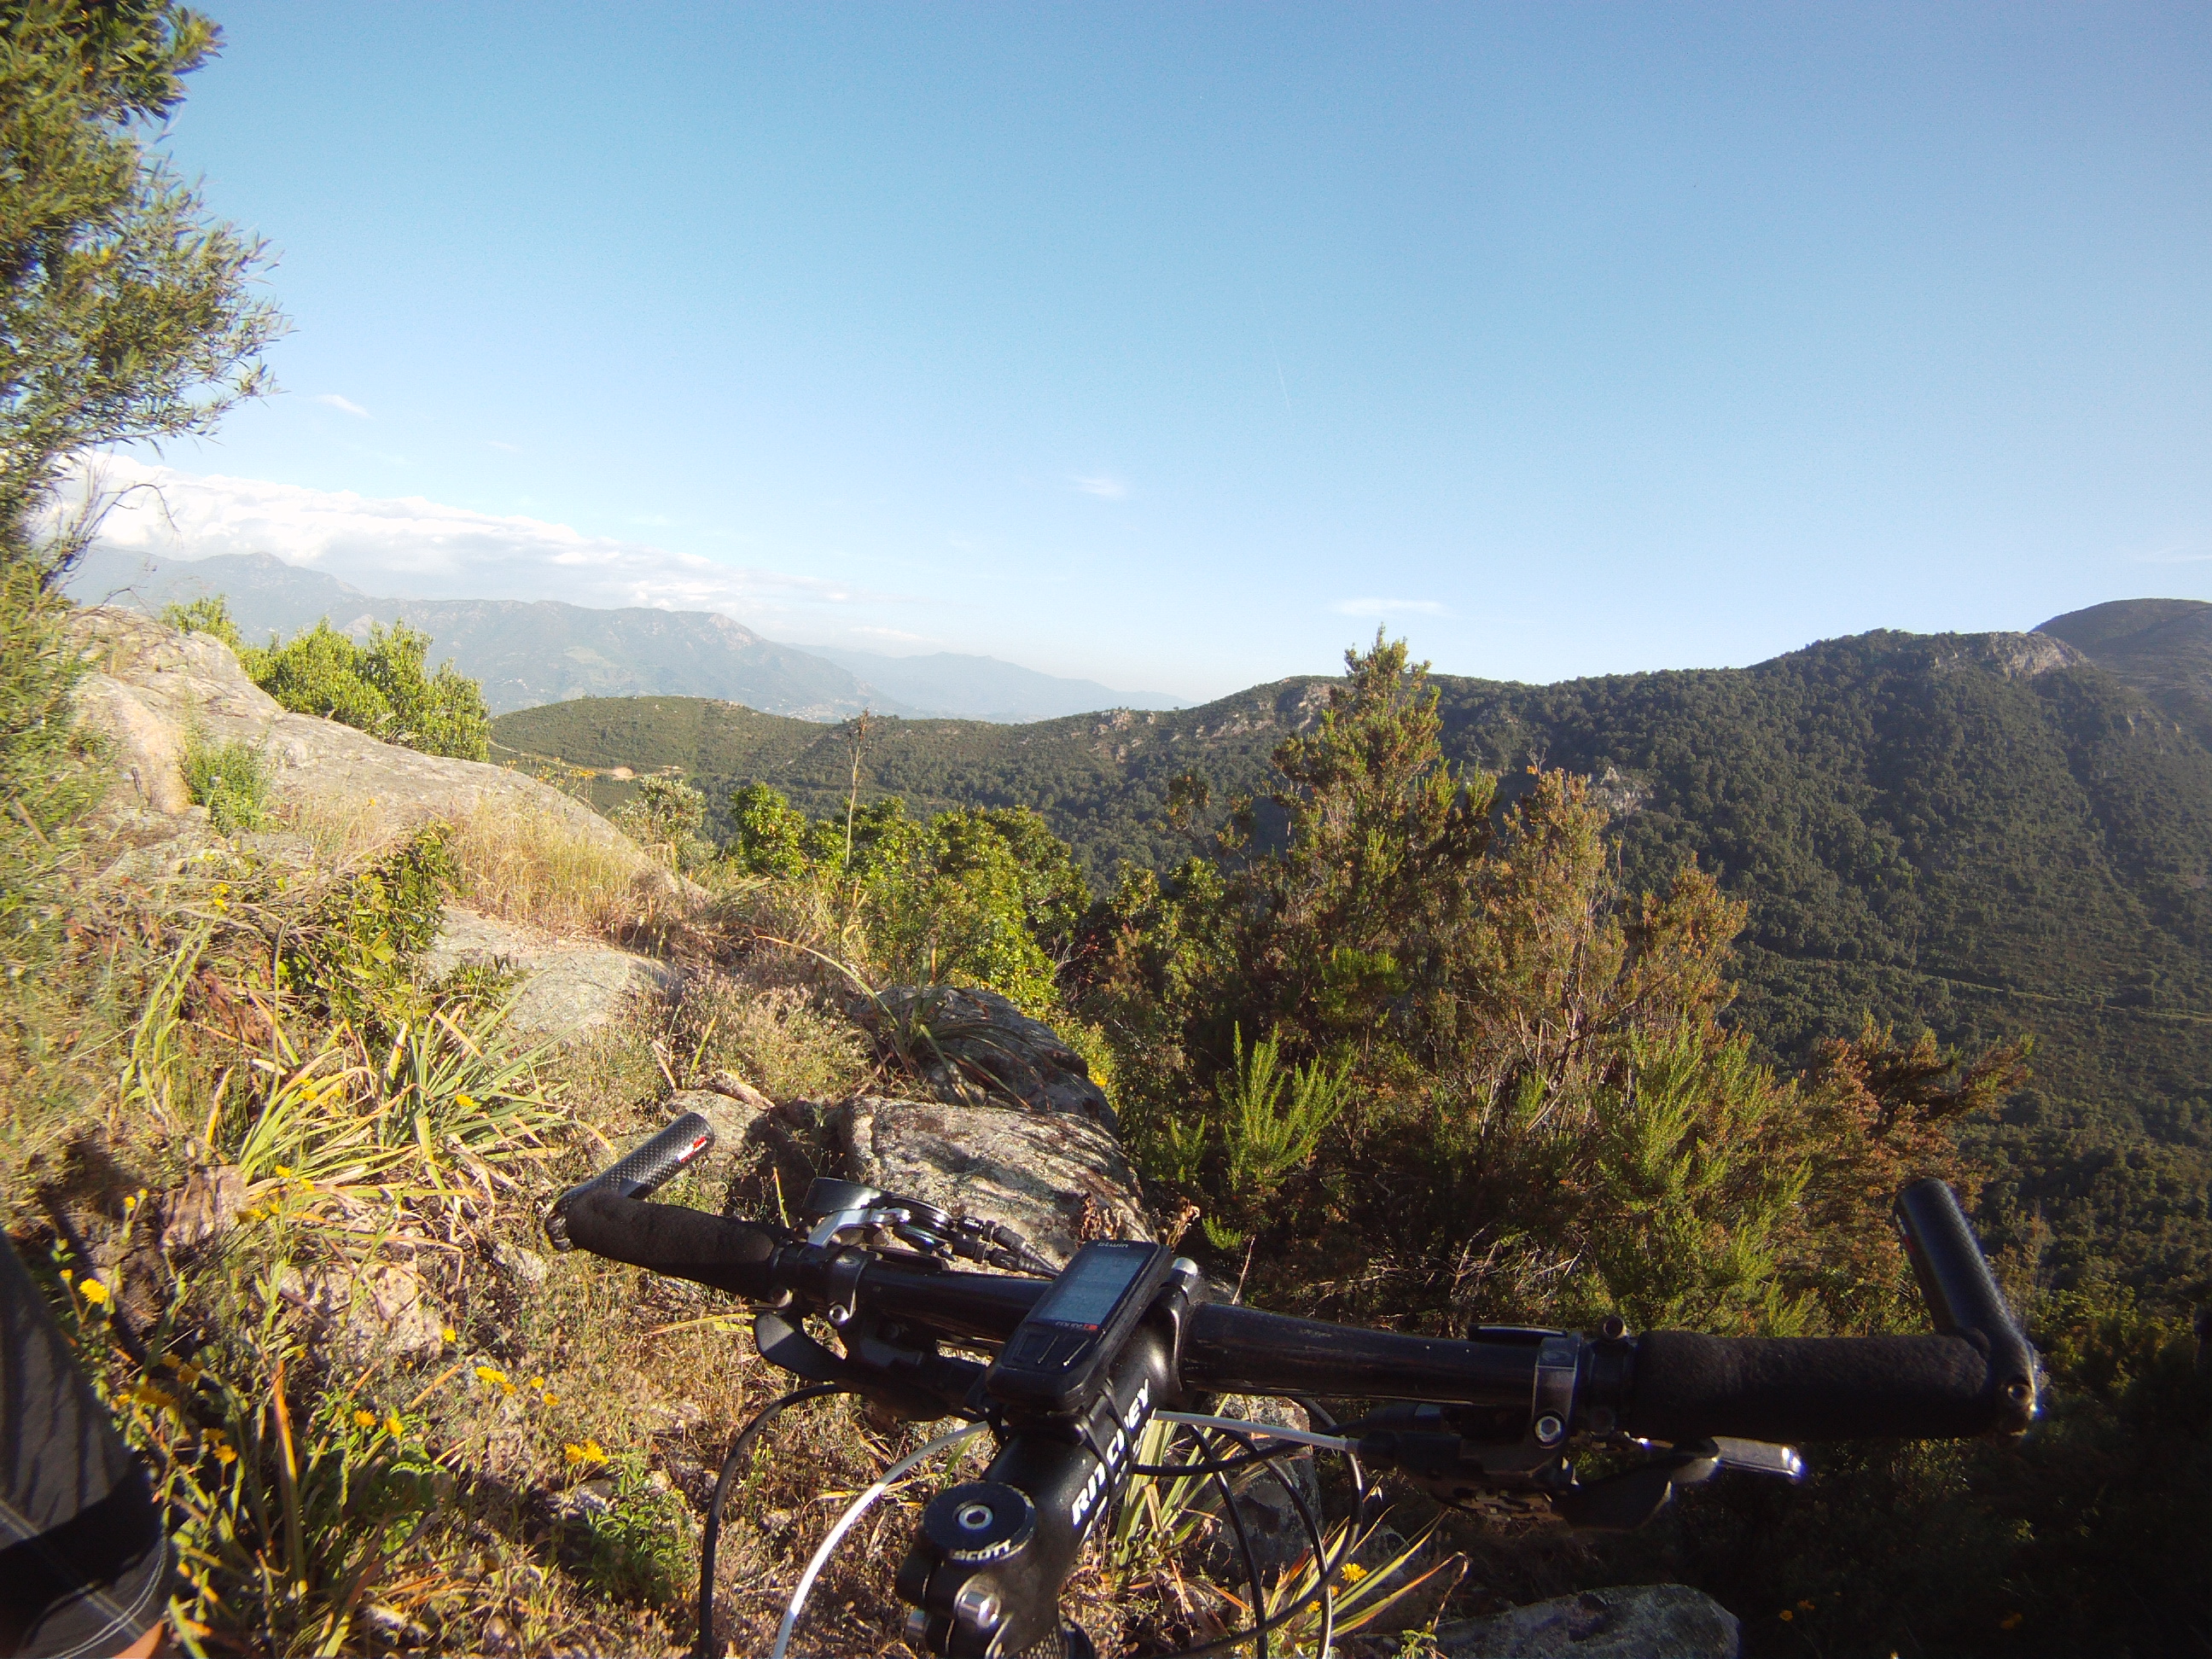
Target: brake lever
[1626,1501]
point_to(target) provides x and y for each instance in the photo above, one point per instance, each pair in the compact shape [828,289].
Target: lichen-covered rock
[964,1043]
[1054,1177]
[569,989]
[1634,1621]
[151,687]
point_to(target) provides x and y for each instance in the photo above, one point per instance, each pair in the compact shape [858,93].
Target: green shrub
[638,1548]
[982,896]
[664,818]
[209,614]
[231,780]
[354,956]
[48,774]
[380,687]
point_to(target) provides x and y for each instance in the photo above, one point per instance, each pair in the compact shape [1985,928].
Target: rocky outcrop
[569,989]
[1054,1177]
[1635,1621]
[151,688]
[971,1044]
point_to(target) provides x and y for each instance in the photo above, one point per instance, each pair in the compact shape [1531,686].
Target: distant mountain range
[527,652]
[1984,833]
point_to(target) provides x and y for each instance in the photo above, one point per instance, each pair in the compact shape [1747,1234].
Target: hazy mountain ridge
[527,652]
[950,685]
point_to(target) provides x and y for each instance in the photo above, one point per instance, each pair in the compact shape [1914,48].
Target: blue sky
[1179,346]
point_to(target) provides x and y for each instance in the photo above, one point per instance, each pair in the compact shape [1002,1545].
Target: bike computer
[1059,1356]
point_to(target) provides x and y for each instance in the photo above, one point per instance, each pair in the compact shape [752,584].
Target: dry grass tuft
[533,869]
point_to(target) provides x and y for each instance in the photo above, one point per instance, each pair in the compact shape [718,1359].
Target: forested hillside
[1984,833]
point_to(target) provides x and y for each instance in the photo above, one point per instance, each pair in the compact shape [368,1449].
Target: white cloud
[2180,553]
[412,548]
[898,634]
[505,448]
[333,400]
[1388,608]
[1104,485]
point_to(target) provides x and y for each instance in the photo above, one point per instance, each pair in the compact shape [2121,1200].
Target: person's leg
[84,1563]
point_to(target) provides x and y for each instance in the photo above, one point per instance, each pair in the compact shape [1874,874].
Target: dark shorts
[84,1562]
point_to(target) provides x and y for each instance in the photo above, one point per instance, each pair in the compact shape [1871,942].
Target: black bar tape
[736,1256]
[1689,1386]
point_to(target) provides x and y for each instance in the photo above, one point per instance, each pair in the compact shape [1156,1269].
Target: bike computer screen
[1058,1357]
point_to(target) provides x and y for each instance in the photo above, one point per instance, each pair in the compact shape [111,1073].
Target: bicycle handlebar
[1674,1386]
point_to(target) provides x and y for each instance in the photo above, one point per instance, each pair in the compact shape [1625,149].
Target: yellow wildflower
[537,1383]
[589,1452]
[364,1419]
[505,1388]
[449,1334]
[466,1100]
[94,1292]
[226,1454]
[1353,1572]
[1786,1615]
[154,1394]
[1808,1606]
[548,1398]
[491,1373]
[393,1427]
[284,1170]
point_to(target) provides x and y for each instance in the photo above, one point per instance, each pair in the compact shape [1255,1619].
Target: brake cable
[858,1507]
[703,1646]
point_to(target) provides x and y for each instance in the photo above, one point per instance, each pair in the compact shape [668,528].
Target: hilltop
[2162,647]
[1984,833]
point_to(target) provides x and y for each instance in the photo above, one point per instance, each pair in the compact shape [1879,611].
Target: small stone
[205,1210]
[526,1267]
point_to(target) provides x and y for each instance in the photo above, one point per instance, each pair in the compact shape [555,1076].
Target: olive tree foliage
[127,314]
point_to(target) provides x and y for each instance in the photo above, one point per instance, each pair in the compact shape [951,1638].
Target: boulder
[569,989]
[1054,1177]
[150,688]
[971,1044]
[1634,1621]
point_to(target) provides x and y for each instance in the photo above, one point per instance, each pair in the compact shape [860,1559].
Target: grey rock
[1277,1535]
[969,1045]
[1633,1621]
[569,989]
[150,687]
[1054,1177]
[585,1499]
[526,1268]
[744,1128]
[205,1209]
[365,1313]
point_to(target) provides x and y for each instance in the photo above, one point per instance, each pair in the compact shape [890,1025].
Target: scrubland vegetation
[1410,1040]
